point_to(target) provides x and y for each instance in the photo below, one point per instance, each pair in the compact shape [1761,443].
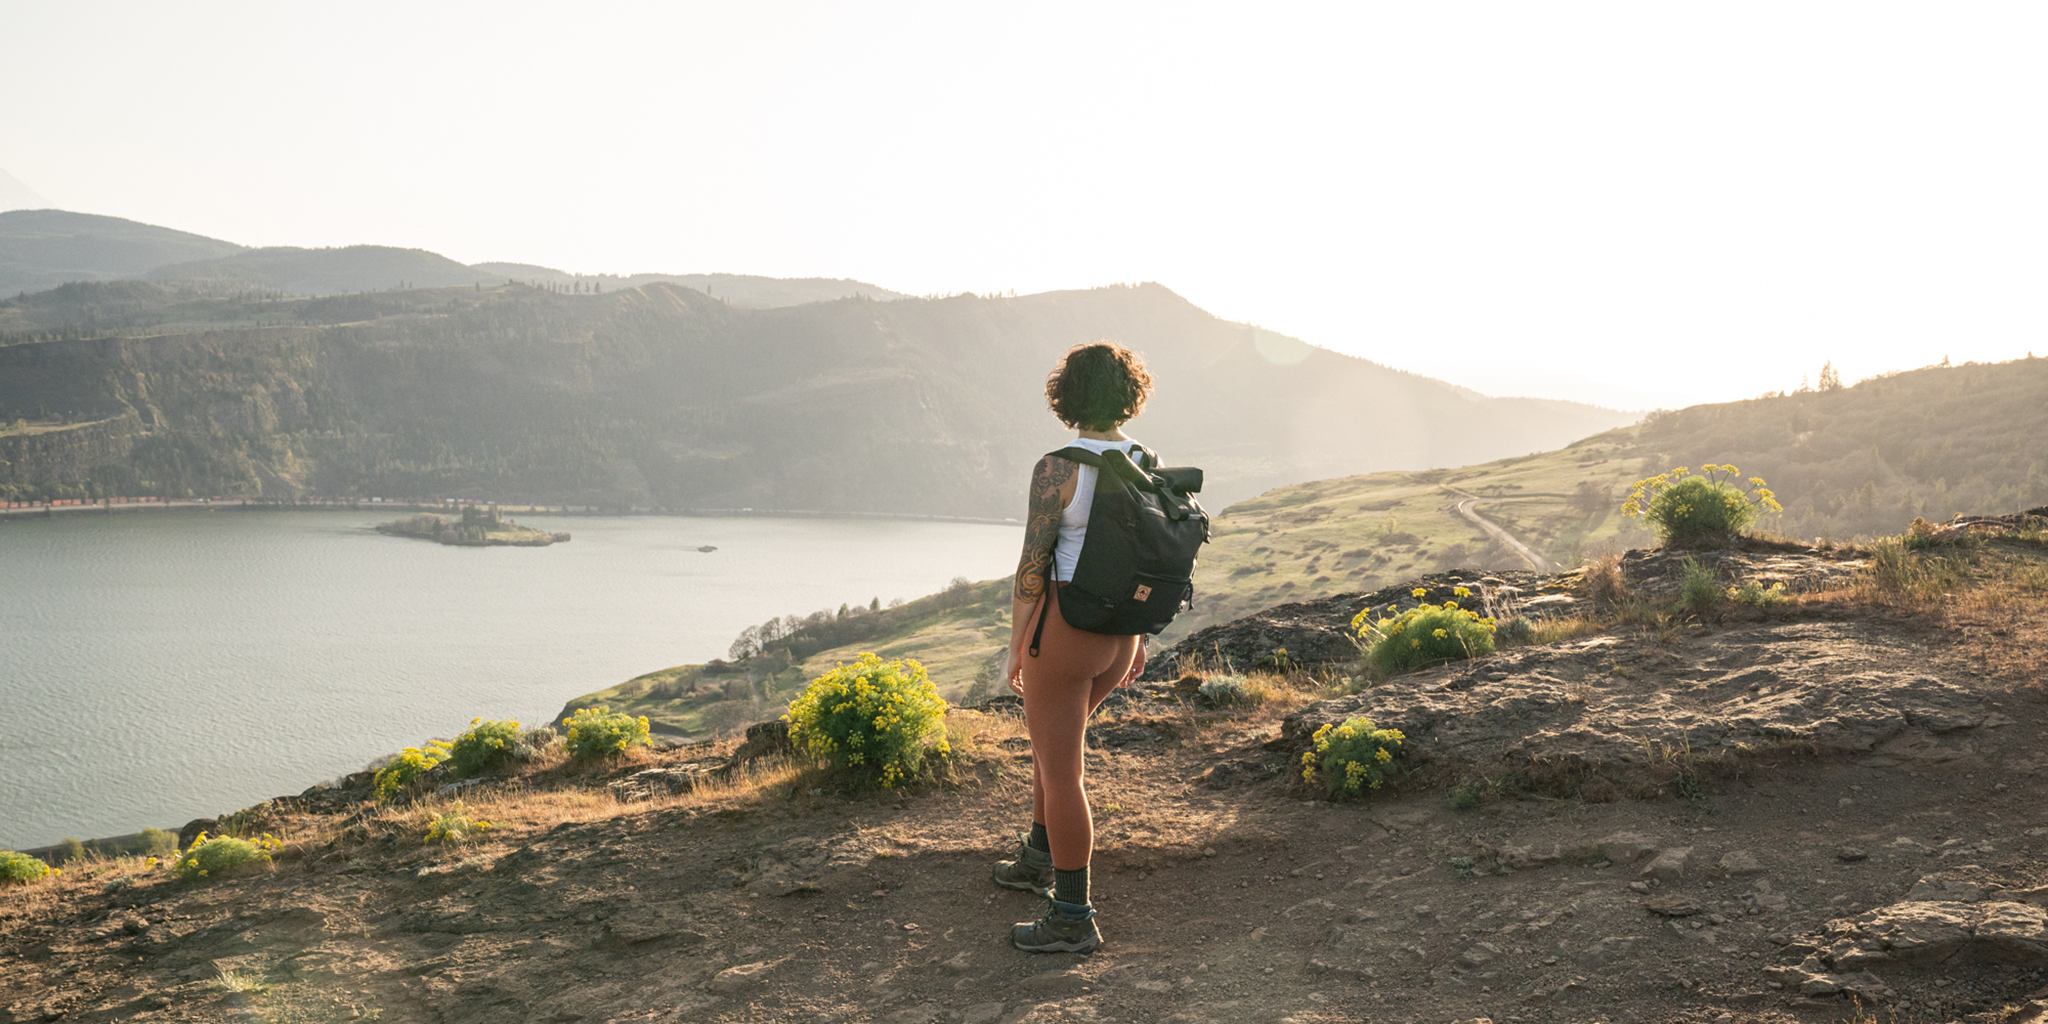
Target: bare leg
[1096,696]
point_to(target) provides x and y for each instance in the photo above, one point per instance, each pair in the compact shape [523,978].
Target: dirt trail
[1468,508]
[1665,889]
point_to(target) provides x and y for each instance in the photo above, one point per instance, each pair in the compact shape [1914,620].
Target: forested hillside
[665,396]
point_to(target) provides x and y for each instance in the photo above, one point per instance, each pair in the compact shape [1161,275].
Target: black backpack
[1144,528]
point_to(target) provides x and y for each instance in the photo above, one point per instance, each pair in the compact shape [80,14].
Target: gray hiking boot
[1065,928]
[1031,871]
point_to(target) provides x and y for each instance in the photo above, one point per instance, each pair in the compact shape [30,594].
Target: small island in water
[477,528]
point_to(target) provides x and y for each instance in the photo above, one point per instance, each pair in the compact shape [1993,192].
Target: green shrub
[1698,591]
[456,827]
[212,856]
[872,719]
[484,746]
[601,732]
[1691,510]
[406,769]
[157,842]
[1424,635]
[1234,691]
[21,869]
[1352,755]
[1756,595]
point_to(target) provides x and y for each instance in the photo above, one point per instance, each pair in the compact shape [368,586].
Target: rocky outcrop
[1319,632]
[1565,714]
[1856,956]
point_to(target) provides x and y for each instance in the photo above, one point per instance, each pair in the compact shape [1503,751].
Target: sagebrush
[1234,691]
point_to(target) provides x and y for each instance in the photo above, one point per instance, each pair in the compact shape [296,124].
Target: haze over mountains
[42,249]
[659,395]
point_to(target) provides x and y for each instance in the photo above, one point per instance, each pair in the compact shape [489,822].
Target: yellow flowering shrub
[602,732]
[1710,508]
[20,868]
[213,856]
[405,769]
[455,827]
[1353,756]
[872,719]
[483,746]
[1397,641]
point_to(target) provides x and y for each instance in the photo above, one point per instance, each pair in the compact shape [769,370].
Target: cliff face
[54,463]
[665,396]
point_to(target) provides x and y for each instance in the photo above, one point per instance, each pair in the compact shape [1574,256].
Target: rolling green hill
[1852,462]
[663,396]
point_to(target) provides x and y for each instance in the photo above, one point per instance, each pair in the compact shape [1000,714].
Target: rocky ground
[1827,810]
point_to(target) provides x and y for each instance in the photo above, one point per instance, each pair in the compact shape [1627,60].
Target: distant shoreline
[250,505]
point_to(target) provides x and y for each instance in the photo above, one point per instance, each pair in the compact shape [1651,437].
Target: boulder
[210,826]
[1741,864]
[1669,865]
[763,739]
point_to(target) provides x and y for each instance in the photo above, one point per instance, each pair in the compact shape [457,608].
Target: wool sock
[1038,841]
[1070,886]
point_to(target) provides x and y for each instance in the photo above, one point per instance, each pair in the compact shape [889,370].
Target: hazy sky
[1633,204]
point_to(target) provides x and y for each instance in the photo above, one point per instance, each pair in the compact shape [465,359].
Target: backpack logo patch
[1144,593]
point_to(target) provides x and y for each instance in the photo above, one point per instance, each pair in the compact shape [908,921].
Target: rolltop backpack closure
[1144,530]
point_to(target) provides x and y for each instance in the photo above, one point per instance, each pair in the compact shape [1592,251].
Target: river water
[158,666]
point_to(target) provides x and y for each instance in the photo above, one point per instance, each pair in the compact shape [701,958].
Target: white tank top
[1074,518]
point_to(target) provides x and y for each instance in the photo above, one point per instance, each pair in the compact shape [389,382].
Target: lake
[158,666]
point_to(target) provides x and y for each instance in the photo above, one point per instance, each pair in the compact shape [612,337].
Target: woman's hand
[1137,664]
[1013,672]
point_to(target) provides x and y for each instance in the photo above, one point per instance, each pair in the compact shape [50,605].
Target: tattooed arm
[1052,487]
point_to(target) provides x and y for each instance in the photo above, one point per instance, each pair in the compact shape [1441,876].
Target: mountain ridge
[44,249]
[664,396]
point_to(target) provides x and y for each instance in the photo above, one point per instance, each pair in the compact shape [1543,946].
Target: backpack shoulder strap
[1075,453]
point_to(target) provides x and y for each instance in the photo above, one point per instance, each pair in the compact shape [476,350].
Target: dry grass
[1604,583]
[1557,630]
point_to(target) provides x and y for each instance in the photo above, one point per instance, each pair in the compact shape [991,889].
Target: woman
[1096,389]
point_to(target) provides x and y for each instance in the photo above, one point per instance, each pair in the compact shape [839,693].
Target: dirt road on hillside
[1529,555]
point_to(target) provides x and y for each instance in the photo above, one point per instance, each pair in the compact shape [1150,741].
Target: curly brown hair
[1098,386]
